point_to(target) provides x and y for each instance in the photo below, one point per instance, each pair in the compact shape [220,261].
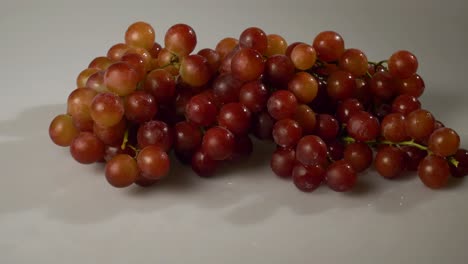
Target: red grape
[309,178]
[434,172]
[282,162]
[340,176]
[218,143]
[86,148]
[402,64]
[154,162]
[286,133]
[122,171]
[311,150]
[180,39]
[282,104]
[329,46]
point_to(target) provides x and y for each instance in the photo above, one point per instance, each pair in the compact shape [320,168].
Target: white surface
[53,210]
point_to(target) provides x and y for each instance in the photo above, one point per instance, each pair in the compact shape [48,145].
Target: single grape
[382,85]
[195,71]
[327,127]
[122,171]
[180,39]
[161,84]
[279,69]
[311,150]
[235,117]
[434,172]
[263,126]
[218,143]
[140,107]
[62,131]
[254,96]
[201,110]
[282,104]
[390,162]
[286,133]
[341,85]
[107,109]
[282,162]
[254,38]
[203,165]
[304,86]
[420,124]
[247,65]
[303,56]
[308,178]
[157,133]
[340,176]
[402,64]
[277,45]
[329,46]
[121,78]
[393,127]
[86,148]
[354,61]
[413,86]
[225,46]
[140,34]
[363,126]
[226,88]
[154,162]
[444,142]
[405,104]
[358,155]
[188,137]
[306,118]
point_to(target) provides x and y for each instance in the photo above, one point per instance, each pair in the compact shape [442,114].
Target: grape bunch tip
[326,108]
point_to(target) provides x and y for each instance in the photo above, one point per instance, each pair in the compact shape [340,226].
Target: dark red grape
[434,172]
[362,126]
[282,162]
[308,178]
[311,150]
[218,143]
[340,176]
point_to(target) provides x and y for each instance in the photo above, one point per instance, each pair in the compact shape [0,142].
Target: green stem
[125,140]
[411,143]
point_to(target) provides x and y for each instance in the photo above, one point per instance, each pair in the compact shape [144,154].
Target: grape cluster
[327,108]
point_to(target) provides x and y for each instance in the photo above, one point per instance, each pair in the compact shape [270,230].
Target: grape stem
[411,143]
[125,140]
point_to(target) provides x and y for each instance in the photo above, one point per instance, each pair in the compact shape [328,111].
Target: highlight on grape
[330,111]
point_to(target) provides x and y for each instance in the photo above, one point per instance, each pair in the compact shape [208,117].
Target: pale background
[53,210]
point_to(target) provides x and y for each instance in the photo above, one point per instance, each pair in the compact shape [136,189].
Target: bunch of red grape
[326,108]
